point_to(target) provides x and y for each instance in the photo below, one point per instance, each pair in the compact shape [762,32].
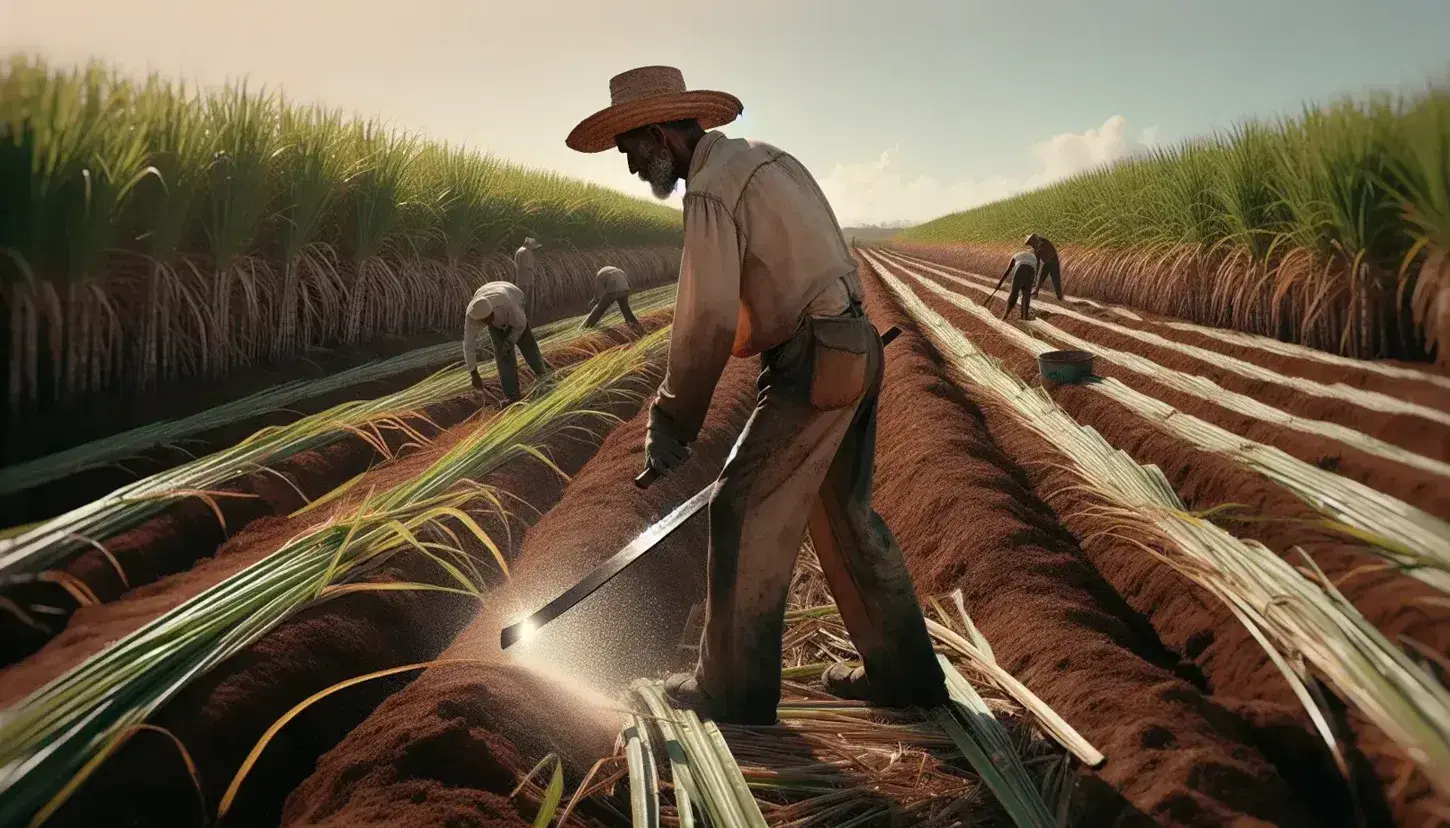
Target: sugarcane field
[405,445]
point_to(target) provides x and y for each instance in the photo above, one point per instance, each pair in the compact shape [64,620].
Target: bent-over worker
[1050,265]
[766,271]
[499,306]
[613,288]
[524,271]
[1022,269]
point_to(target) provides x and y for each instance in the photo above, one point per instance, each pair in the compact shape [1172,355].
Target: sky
[903,109]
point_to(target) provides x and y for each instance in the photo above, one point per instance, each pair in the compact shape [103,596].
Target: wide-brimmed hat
[651,95]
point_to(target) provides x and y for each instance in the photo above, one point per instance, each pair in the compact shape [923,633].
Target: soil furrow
[220,716]
[1397,604]
[1419,488]
[444,749]
[1408,431]
[1191,623]
[968,517]
[992,261]
[180,538]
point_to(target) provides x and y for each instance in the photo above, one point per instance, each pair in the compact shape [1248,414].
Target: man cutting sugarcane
[499,306]
[612,287]
[766,271]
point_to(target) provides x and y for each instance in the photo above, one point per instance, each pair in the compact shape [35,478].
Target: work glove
[476,380]
[662,449]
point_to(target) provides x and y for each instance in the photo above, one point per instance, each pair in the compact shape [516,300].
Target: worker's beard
[658,171]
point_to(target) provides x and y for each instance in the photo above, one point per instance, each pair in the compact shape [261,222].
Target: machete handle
[646,477]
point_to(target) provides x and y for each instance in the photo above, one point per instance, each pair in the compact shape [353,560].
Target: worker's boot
[847,682]
[683,690]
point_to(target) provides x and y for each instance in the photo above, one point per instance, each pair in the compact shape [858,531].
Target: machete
[616,564]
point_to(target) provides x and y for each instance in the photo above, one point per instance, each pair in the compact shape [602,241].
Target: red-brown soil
[1399,604]
[629,628]
[1417,434]
[220,716]
[452,755]
[968,517]
[1190,623]
[990,259]
[176,539]
[1424,490]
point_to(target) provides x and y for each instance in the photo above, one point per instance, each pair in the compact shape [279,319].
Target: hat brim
[597,132]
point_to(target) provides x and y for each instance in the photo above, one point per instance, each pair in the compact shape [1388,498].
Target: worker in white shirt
[499,306]
[1023,271]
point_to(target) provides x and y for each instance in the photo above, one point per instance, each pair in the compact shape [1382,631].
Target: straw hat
[651,95]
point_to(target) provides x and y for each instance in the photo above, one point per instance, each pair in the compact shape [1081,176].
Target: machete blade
[602,574]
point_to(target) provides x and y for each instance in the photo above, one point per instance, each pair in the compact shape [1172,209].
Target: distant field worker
[524,268]
[1022,269]
[1049,263]
[613,288]
[499,306]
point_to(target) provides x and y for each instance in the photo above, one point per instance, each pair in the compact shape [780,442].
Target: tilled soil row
[187,532]
[969,517]
[989,260]
[1197,627]
[1398,604]
[1417,434]
[444,750]
[221,716]
[965,515]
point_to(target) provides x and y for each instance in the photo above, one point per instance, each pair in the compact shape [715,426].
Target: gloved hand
[476,380]
[662,449]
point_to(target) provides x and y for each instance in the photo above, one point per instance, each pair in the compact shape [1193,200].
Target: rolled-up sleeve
[707,310]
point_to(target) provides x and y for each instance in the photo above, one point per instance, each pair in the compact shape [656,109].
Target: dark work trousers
[1052,269]
[508,367]
[620,297]
[798,465]
[1021,286]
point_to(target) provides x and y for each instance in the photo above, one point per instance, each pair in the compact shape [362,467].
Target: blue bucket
[1065,367]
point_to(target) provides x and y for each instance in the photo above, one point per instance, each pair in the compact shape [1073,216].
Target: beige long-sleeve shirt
[610,279]
[762,250]
[524,268]
[499,304]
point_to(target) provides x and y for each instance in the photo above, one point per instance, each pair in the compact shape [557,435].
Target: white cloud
[876,192]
